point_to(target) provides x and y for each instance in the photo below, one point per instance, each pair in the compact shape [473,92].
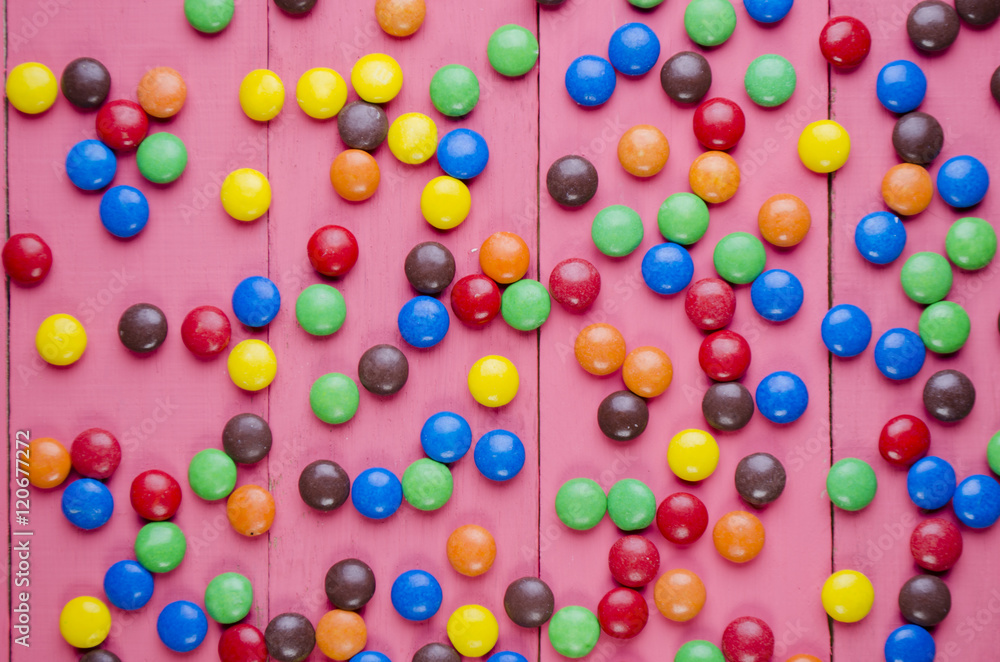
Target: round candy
[932,25]
[90,165]
[993,453]
[727,406]
[504,257]
[245,194]
[782,397]
[683,218]
[161,157]
[493,381]
[528,602]
[851,484]
[631,505]
[910,643]
[473,630]
[748,639]
[507,656]
[85,83]
[321,93]
[142,328]
[525,305]
[383,370]
[710,304]
[512,50]
[262,95]
[362,125]
[454,90]
[633,49]
[709,22]
[622,416]
[926,277]
[84,622]
[252,365]
[770,80]
[574,283]
[31,87]
[413,138]
[573,631]
[776,295]
[341,635]
[462,153]
[423,321]
[571,180]
[445,202]
[944,327]
[846,330]
[427,485]
[917,138]
[907,189]
[949,395]
[600,349]
[27,259]
[724,355]
[760,479]
[738,536]
[128,585]
[290,637]
[250,510]
[978,12]
[845,42]
[87,504]
[320,310]
[617,230]
[333,250]
[643,150]
[155,495]
[714,176]
[377,78]
[256,301]
[95,453]
[847,596]
[209,16]
[295,7]
[931,483]
[699,650]
[435,652]
[971,243]
[686,77]
[768,11]
[590,80]
[350,584]
[899,354]
[162,92]
[784,220]
[376,493]
[633,561]
[228,597]
[334,398]
[936,544]
[61,339]
[901,86]
[977,501]
[647,371]
[499,455]
[212,474]
[682,518]
[121,124]
[904,440]
[354,175]
[679,595]
[160,546]
[925,600]
[622,613]
[242,643]
[446,437]
[416,595]
[719,124]
[324,485]
[824,146]
[667,268]
[880,237]
[693,455]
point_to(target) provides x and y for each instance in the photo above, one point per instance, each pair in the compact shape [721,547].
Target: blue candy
[87,503]
[634,49]
[590,80]
[776,295]
[182,626]
[124,211]
[128,585]
[91,165]
[256,301]
[900,354]
[416,595]
[782,397]
[423,321]
[667,268]
[963,181]
[370,656]
[376,493]
[499,455]
[507,656]
[880,237]
[977,501]
[931,483]
[910,643]
[901,86]
[462,153]
[846,330]
[768,11]
[446,437]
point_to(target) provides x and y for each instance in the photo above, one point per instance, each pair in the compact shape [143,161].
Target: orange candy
[714,177]
[354,175]
[162,92]
[504,257]
[784,220]
[803,658]
[647,371]
[738,536]
[907,189]
[643,150]
[48,462]
[400,18]
[341,634]
[600,349]
[471,550]
[250,510]
[679,595]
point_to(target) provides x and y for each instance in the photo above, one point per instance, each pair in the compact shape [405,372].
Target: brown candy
[978,12]
[430,267]
[142,328]
[571,180]
[289,637]
[727,406]
[949,395]
[686,77]
[760,479]
[925,600]
[246,438]
[383,369]
[918,138]
[362,125]
[622,416]
[100,655]
[932,25]
[324,485]
[85,83]
[529,602]
[350,584]
[295,7]
[436,653]
[995,85]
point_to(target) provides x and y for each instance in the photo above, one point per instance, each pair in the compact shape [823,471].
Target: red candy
[682,518]
[242,643]
[475,299]
[27,258]
[719,123]
[748,639]
[155,495]
[575,283]
[724,356]
[206,331]
[333,250]
[622,613]
[710,304]
[633,561]
[904,440]
[936,544]
[122,124]
[845,42]
[95,453]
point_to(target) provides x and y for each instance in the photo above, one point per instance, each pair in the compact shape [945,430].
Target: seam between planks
[829,304]
[6,190]
[267,249]
[538,345]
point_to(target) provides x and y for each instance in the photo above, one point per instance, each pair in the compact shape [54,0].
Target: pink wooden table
[166,407]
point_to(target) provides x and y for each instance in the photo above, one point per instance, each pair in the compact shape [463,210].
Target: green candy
[573,631]
[739,257]
[709,22]
[525,305]
[683,218]
[320,310]
[212,474]
[161,157]
[581,504]
[617,230]
[971,243]
[851,484]
[770,80]
[993,453]
[631,505]
[944,327]
[209,16]
[229,597]
[454,90]
[334,398]
[427,484]
[645,4]
[160,546]
[926,277]
[699,650]
[512,50]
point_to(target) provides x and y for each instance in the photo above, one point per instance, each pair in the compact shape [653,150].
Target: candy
[87,504]
[571,180]
[880,237]
[320,310]
[525,305]
[924,600]
[341,635]
[622,613]
[904,440]
[350,584]
[851,484]
[977,501]
[748,639]
[899,354]
[512,50]
[845,42]
[910,643]
[295,8]
[90,165]
[643,150]
[85,83]
[971,243]
[724,356]
[121,124]
[709,22]
[427,485]
[84,622]
[499,455]
[209,16]
[252,365]
[693,455]
[782,397]
[446,437]
[162,92]
[901,86]
[926,277]
[932,25]
[528,602]
[413,138]
[930,483]
[228,597]
[719,124]
[714,176]
[155,495]
[944,327]
[768,11]
[846,330]
[61,339]
[770,80]
[507,656]
[493,381]
[760,479]
[376,493]
[416,595]
[686,77]
[679,595]
[647,371]
[321,93]
[362,125]
[936,544]
[682,518]
[776,295]
[504,257]
[573,631]
[949,395]
[354,175]
[574,283]
[435,652]
[727,406]
[907,189]
[160,546]
[454,90]
[633,49]
[641,4]
[622,416]
[334,398]
[631,505]
[290,637]
[128,585]
[600,349]
[383,370]
[667,268]
[710,304]
[590,80]
[581,504]
[824,146]
[978,12]
[633,561]
[95,453]
[333,250]
[462,153]
[256,301]
[423,321]
[993,453]
[445,202]
[847,596]
[262,95]
[242,643]
[245,194]
[473,630]
[917,138]
[142,328]
[27,259]
[250,510]
[617,230]
[161,158]
[212,474]
[784,220]
[31,88]
[738,536]
[683,218]
[324,485]
[699,650]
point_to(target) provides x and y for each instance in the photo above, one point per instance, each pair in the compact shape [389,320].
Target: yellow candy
[262,95]
[693,455]
[61,339]
[824,146]
[252,365]
[445,202]
[321,93]
[246,194]
[493,381]
[377,78]
[85,622]
[413,138]
[473,630]
[31,88]
[848,596]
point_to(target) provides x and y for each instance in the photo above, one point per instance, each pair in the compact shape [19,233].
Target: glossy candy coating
[932,25]
[321,93]
[631,505]
[776,295]
[87,504]
[212,474]
[714,176]
[333,250]
[917,138]
[61,339]
[782,397]
[768,11]
[710,304]
[770,80]
[446,437]
[295,7]
[926,277]
[341,635]
[471,550]
[949,395]
[993,453]
[924,600]
[160,546]
[760,479]
[529,602]
[880,237]
[27,259]
[228,597]
[590,80]
[936,544]
[252,365]
[719,124]
[128,585]
[155,495]
[262,95]
[85,83]
[748,639]
[142,328]
[667,268]
[910,643]
[256,301]
[647,371]
[643,150]
[617,230]
[209,16]
[512,50]
[904,440]
[320,310]
[349,584]
[462,153]
[709,22]
[499,455]
[162,92]
[851,484]
[699,650]
[622,613]
[847,596]
[682,518]
[899,354]
[845,42]
[907,189]
[573,631]
[962,181]
[901,86]
[739,258]
[376,493]
[727,406]
[633,49]
[504,257]
[423,322]
[978,12]
[738,536]
[161,157]
[824,146]
[413,138]
[124,211]
[493,381]
[679,595]
[683,218]
[84,622]
[693,455]
[622,416]
[686,77]
[427,485]
[324,485]
[362,125]
[383,369]
[245,194]
[121,124]
[971,243]
[525,305]
[454,90]
[633,561]
[377,78]
[91,165]
[290,637]
[95,453]
[250,510]
[242,643]
[435,652]
[600,349]
[355,175]
[724,356]
[977,501]
[416,595]
[574,283]
[571,180]
[944,327]
[445,202]
[846,330]
[473,630]
[930,483]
